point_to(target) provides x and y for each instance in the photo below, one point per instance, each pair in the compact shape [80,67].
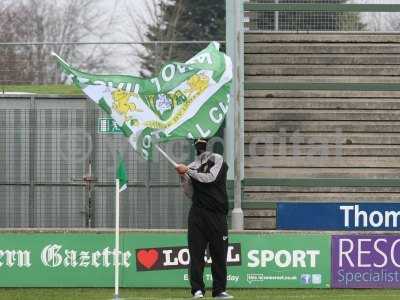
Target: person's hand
[181,169]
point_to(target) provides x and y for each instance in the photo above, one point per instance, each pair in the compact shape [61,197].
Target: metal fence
[323,15]
[49,145]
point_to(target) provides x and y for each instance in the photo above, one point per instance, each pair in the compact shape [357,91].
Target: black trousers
[206,227]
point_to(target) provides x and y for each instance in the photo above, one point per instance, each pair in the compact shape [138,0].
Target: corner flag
[121,183]
[121,173]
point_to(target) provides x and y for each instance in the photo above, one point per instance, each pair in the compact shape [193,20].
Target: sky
[124,60]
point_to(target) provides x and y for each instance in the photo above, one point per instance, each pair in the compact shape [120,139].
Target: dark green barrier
[160,260]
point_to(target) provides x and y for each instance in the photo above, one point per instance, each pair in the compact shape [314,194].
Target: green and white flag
[121,173]
[186,100]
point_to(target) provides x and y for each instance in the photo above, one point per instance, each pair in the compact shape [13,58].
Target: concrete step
[281,37]
[311,138]
[270,94]
[321,162]
[329,150]
[321,126]
[324,79]
[372,173]
[321,59]
[261,213]
[322,197]
[322,48]
[322,103]
[259,223]
[299,189]
[320,115]
[316,70]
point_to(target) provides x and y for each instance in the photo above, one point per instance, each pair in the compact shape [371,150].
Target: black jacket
[208,176]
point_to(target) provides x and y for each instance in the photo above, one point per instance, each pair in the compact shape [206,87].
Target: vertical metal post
[32,160]
[276,18]
[229,130]
[116,249]
[148,194]
[234,121]
[91,108]
[90,178]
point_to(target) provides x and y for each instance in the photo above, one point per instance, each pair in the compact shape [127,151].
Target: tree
[178,20]
[8,55]
[38,21]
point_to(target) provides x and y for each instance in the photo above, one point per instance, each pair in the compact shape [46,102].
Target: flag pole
[166,156]
[116,266]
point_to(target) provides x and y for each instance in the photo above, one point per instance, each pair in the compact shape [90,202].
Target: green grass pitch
[171,294]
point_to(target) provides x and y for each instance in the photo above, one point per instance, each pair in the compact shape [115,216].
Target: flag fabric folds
[185,100]
[121,173]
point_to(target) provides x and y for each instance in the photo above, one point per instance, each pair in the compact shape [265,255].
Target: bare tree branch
[53,21]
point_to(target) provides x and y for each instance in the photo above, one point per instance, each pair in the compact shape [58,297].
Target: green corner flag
[121,173]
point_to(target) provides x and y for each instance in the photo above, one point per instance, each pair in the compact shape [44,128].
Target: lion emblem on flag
[122,103]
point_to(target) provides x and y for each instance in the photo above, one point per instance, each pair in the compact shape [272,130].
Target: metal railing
[322,15]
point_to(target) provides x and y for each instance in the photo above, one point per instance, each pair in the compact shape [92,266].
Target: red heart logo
[147,258]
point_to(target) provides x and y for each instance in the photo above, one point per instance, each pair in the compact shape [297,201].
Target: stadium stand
[342,134]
